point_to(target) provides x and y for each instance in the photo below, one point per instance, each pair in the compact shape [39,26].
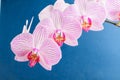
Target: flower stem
[117,24]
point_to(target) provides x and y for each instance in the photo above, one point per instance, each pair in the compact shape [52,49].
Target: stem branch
[117,24]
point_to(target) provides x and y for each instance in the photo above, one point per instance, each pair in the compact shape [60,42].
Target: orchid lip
[59,37]
[33,57]
[86,23]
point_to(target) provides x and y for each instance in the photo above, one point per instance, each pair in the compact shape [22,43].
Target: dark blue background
[96,58]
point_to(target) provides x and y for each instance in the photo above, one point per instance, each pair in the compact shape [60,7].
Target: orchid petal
[96,12]
[71,11]
[39,35]
[44,65]
[46,12]
[72,27]
[22,44]
[71,40]
[48,24]
[60,5]
[81,4]
[56,17]
[96,26]
[50,52]
[22,58]
[50,27]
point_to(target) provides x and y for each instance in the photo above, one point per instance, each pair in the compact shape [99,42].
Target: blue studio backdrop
[96,58]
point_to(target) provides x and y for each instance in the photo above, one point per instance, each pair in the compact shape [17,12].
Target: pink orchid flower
[62,29]
[90,14]
[36,48]
[113,9]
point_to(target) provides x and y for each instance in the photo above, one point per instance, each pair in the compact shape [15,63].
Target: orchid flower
[62,29]
[36,48]
[91,16]
[113,9]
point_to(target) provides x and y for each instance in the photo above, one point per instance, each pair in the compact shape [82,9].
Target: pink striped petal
[81,4]
[50,27]
[71,40]
[39,35]
[96,26]
[21,58]
[60,5]
[71,11]
[50,53]
[48,24]
[56,17]
[22,44]
[72,27]
[45,13]
[96,12]
[44,64]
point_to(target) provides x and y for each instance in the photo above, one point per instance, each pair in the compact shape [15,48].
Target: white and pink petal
[71,40]
[56,18]
[81,4]
[72,27]
[39,35]
[22,44]
[96,12]
[96,26]
[21,58]
[61,5]
[72,11]
[45,13]
[50,53]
